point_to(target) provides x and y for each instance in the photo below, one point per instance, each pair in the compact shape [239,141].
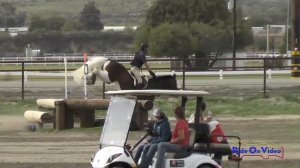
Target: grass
[227,106]
[37,66]
[16,107]
[240,106]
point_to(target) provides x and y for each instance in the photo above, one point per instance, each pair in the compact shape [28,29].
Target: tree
[55,23]
[181,28]
[171,39]
[173,11]
[90,17]
[51,23]
[37,23]
[9,17]
[72,26]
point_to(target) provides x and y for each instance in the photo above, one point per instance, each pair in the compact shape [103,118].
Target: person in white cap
[163,134]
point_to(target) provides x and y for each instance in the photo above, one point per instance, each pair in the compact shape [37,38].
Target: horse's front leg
[103,75]
[91,80]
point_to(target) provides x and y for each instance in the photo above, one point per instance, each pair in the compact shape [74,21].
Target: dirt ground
[47,148]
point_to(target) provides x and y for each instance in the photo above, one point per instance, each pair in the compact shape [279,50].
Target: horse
[112,71]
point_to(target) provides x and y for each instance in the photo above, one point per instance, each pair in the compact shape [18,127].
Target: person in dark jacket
[163,134]
[138,61]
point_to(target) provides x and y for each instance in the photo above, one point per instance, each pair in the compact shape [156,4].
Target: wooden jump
[65,110]
[85,108]
[39,117]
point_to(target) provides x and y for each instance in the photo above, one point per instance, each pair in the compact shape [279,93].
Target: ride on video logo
[262,150]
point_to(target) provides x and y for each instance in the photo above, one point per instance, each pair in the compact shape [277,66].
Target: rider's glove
[152,74]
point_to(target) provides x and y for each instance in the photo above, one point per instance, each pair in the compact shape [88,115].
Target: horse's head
[93,63]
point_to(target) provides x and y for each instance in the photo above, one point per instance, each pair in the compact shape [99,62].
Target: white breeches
[136,71]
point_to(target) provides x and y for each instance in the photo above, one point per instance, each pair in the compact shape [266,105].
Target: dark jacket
[163,131]
[139,59]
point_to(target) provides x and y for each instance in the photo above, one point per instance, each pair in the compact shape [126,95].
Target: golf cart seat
[219,148]
[202,141]
[188,151]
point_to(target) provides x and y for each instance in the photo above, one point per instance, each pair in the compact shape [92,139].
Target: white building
[13,31]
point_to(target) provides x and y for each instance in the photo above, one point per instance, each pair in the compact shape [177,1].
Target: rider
[138,61]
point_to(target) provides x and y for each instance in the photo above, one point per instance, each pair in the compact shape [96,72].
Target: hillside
[265,11]
[113,12]
[132,12]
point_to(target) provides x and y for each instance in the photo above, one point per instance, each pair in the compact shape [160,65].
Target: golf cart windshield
[117,122]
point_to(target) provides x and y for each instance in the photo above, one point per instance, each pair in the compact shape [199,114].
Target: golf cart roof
[158,92]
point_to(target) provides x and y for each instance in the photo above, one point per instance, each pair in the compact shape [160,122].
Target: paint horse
[111,71]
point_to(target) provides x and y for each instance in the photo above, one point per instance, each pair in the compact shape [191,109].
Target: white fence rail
[219,74]
[70,57]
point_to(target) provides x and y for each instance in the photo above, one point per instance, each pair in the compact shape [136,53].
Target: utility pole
[234,37]
[5,23]
[295,24]
[268,42]
[295,70]
[287,26]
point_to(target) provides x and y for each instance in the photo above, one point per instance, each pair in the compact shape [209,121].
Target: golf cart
[113,152]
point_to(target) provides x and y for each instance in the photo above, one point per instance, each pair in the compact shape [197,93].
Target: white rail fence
[70,57]
[218,74]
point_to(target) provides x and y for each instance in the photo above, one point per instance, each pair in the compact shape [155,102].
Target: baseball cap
[157,112]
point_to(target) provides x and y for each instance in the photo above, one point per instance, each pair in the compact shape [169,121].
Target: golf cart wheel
[206,166]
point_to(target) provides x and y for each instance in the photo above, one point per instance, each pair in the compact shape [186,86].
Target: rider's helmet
[144,46]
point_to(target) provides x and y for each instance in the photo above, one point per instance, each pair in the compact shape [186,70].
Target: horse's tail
[93,63]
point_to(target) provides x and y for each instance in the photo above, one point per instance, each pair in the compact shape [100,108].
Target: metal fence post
[23,80]
[265,77]
[183,74]
[103,90]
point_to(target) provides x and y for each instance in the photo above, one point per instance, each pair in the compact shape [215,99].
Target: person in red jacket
[179,141]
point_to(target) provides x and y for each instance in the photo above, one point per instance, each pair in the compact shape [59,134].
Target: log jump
[38,117]
[85,109]
[65,110]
